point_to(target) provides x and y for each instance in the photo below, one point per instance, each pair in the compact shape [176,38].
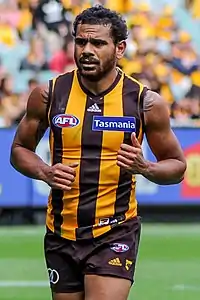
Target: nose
[88,50]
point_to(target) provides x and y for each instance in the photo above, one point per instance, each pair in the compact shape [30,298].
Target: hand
[61,176]
[131,157]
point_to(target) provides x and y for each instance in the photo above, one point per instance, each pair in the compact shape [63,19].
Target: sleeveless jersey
[89,129]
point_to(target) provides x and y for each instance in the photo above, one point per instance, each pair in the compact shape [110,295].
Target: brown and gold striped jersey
[89,129]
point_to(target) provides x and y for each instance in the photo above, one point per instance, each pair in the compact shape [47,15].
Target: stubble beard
[101,72]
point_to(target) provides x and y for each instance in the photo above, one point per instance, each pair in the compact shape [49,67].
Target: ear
[120,49]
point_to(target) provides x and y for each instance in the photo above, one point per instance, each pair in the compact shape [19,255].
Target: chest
[93,122]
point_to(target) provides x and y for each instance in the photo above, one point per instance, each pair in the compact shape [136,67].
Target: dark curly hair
[99,15]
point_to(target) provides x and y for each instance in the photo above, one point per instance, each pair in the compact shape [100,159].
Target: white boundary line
[37,231]
[45,284]
[23,284]
[186,287]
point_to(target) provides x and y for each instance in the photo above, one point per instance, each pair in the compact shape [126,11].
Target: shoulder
[65,78]
[38,102]
[153,100]
[38,93]
[132,85]
[65,75]
[156,110]
[131,80]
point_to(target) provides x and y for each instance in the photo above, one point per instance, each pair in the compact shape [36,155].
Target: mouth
[88,67]
[87,64]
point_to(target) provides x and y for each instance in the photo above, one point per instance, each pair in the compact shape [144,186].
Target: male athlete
[97,116]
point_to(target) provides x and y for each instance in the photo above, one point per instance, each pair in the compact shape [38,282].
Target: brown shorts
[112,254]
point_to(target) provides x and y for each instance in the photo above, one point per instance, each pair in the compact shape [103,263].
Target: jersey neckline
[104,93]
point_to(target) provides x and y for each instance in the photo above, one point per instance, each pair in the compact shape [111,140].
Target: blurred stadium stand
[163,51]
[36,43]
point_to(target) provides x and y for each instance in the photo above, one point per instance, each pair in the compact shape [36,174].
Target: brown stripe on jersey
[91,145]
[49,99]
[130,94]
[59,102]
[141,112]
[132,210]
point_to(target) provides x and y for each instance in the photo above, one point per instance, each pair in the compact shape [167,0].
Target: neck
[101,85]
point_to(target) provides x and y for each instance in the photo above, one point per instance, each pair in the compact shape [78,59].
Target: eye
[98,43]
[80,42]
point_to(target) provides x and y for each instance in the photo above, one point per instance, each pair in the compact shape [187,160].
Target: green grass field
[168,265]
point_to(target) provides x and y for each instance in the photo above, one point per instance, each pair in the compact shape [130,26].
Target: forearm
[170,171]
[28,163]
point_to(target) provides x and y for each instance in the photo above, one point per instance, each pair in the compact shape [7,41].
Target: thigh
[65,276]
[115,253]
[106,288]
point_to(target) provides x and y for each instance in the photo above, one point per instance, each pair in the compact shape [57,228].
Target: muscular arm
[30,131]
[23,157]
[171,164]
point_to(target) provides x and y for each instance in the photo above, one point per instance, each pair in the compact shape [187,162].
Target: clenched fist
[61,176]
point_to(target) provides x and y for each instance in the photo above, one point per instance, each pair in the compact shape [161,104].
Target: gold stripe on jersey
[72,154]
[109,171]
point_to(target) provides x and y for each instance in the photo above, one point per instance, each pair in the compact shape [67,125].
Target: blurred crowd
[36,44]
[193,6]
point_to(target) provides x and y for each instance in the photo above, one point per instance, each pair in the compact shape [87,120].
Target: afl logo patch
[118,247]
[65,121]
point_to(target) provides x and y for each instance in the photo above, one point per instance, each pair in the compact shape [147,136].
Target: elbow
[181,172]
[178,180]
[12,157]
[178,173]
[12,161]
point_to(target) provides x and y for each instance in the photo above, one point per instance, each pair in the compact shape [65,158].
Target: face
[96,54]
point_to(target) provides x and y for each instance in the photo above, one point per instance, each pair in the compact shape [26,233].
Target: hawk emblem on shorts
[128,264]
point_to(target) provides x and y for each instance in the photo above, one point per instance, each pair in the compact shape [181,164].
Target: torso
[89,130]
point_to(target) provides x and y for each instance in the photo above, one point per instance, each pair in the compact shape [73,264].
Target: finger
[74,165]
[130,148]
[129,155]
[64,175]
[135,141]
[62,181]
[61,187]
[66,169]
[125,167]
[122,165]
[125,160]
